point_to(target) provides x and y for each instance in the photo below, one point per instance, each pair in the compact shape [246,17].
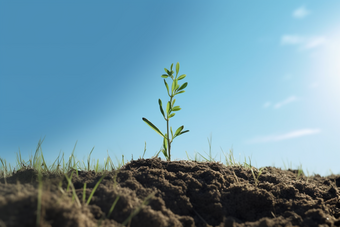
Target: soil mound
[183,193]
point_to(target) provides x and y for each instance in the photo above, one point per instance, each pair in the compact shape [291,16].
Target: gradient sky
[263,79]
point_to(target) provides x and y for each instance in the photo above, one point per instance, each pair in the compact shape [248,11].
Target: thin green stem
[167,137]
[167,127]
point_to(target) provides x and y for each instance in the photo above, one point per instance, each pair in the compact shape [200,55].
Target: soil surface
[185,193]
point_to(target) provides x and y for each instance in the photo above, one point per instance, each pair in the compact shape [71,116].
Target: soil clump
[183,193]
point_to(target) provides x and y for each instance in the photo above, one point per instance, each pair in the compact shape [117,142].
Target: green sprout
[175,90]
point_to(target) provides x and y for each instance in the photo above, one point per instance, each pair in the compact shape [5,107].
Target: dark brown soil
[186,193]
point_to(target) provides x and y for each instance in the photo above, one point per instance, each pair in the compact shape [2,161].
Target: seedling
[256,179]
[175,90]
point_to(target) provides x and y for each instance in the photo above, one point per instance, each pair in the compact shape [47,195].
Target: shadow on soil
[186,193]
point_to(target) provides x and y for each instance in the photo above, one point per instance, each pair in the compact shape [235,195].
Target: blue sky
[263,79]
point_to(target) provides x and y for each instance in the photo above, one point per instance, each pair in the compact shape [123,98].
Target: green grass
[38,163]
[61,167]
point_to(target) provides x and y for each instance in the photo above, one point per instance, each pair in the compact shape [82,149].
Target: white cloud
[267,104]
[284,102]
[290,135]
[300,12]
[327,57]
[305,43]
[291,39]
[314,42]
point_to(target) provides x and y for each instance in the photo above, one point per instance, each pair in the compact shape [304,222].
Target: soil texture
[183,193]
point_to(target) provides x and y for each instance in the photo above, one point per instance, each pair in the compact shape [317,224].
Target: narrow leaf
[178,131]
[164,76]
[181,77]
[165,147]
[171,115]
[173,86]
[168,108]
[183,86]
[160,107]
[165,69]
[165,154]
[176,108]
[152,126]
[173,103]
[177,68]
[167,87]
[176,85]
[172,135]
[180,92]
[165,144]
[171,66]
[184,132]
